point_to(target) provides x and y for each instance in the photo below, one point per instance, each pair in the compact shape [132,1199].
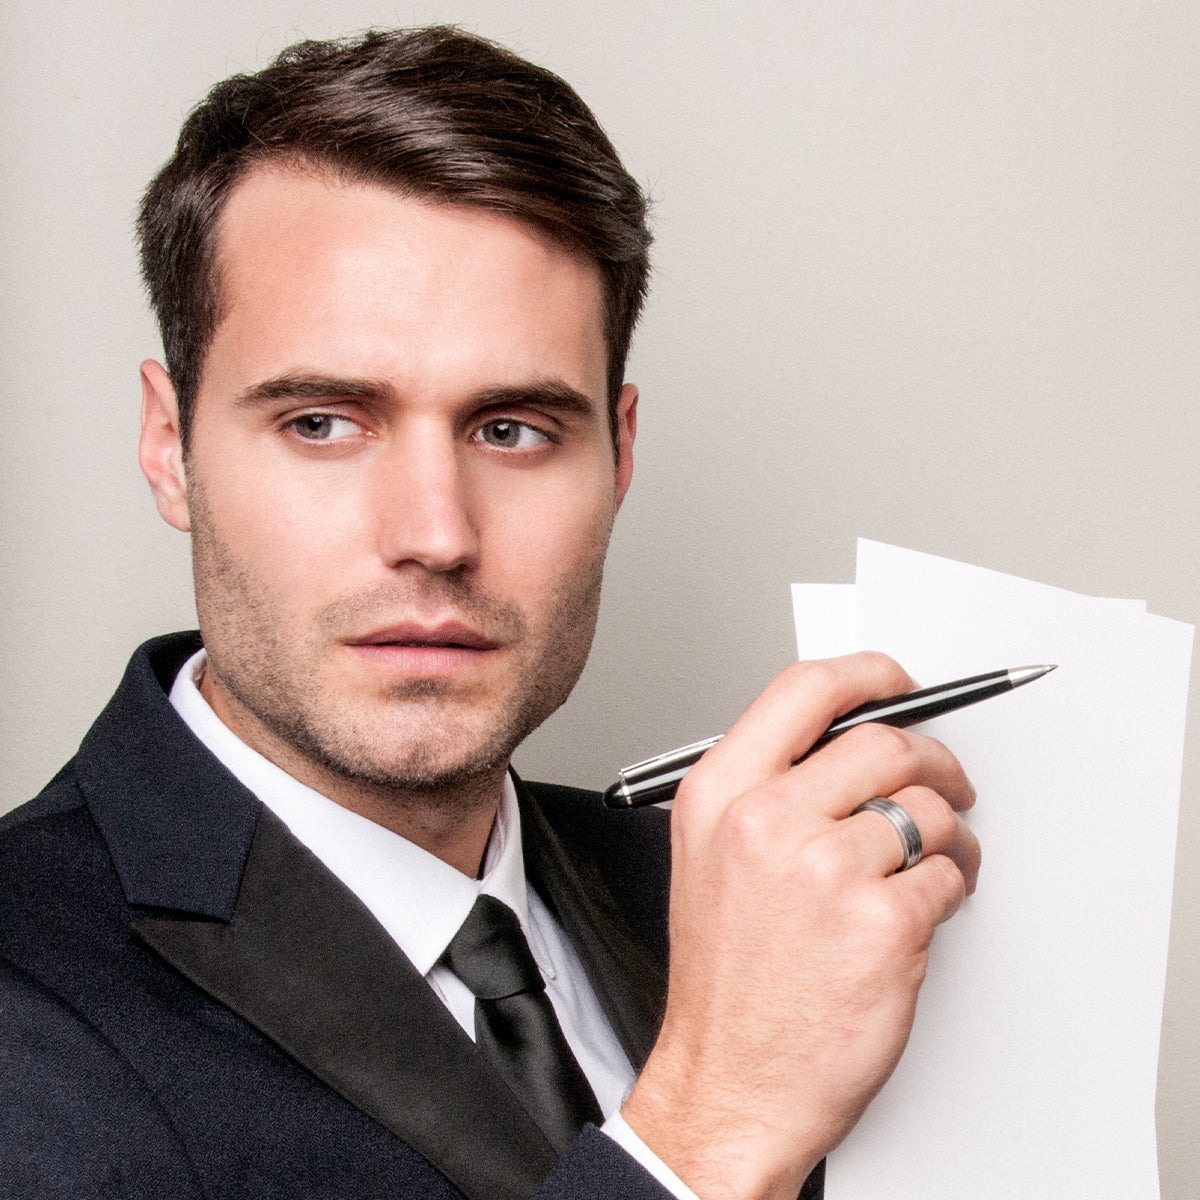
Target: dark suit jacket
[192,1005]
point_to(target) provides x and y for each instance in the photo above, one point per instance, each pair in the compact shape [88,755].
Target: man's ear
[626,432]
[160,448]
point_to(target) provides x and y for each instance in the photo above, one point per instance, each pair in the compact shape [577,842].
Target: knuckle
[745,828]
[890,747]
[941,826]
[887,675]
[894,921]
[825,863]
[815,677]
[688,794]
[937,746]
[931,812]
[942,759]
[946,876]
[877,661]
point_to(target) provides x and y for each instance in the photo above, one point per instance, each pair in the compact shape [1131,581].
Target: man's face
[399,482]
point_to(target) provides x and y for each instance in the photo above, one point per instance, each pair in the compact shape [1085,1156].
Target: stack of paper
[1031,1069]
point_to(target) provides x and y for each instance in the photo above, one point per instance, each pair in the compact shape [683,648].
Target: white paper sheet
[1031,1069]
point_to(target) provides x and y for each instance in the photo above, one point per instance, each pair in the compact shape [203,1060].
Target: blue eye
[511,435]
[324,427]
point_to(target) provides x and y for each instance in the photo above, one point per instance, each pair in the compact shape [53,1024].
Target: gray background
[927,272]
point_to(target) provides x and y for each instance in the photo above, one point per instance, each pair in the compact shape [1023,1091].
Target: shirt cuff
[616,1128]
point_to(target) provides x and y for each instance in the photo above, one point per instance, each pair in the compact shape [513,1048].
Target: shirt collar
[420,900]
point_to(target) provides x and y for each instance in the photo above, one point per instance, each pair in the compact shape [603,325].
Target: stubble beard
[419,740]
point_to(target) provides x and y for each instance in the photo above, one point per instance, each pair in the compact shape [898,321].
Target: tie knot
[490,954]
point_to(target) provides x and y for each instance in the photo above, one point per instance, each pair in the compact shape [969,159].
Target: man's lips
[447,635]
[410,649]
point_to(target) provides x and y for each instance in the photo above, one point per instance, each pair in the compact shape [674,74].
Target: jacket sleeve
[594,1165]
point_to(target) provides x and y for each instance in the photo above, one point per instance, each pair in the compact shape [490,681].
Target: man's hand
[796,950]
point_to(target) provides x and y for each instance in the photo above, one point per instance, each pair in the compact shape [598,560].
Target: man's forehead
[278,190]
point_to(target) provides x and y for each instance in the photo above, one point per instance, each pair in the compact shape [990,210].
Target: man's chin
[423,776]
[428,756]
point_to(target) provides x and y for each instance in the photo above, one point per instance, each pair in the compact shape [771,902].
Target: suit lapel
[627,980]
[305,963]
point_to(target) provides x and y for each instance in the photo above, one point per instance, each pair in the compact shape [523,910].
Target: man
[397,279]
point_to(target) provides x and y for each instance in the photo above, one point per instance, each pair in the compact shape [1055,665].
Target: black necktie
[515,1024]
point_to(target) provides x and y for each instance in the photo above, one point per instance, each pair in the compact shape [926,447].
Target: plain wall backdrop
[927,271]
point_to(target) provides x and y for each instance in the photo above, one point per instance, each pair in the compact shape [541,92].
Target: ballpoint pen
[655,780]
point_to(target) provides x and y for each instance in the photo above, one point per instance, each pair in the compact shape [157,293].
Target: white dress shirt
[422,901]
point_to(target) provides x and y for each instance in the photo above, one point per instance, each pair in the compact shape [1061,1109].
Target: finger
[783,722]
[933,890]
[881,848]
[877,760]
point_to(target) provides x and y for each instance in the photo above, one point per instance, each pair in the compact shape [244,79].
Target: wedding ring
[902,823]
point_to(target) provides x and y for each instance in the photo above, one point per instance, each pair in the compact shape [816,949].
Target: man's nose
[423,508]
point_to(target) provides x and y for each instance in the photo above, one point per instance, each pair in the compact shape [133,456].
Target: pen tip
[1020,675]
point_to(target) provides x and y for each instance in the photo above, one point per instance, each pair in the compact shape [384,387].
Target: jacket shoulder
[60,795]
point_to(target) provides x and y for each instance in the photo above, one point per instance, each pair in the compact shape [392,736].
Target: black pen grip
[940,703]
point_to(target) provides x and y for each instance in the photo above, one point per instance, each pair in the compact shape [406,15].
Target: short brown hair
[435,113]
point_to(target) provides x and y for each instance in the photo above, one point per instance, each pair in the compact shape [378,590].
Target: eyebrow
[543,393]
[313,387]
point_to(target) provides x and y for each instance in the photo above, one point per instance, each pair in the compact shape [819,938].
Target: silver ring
[902,823]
